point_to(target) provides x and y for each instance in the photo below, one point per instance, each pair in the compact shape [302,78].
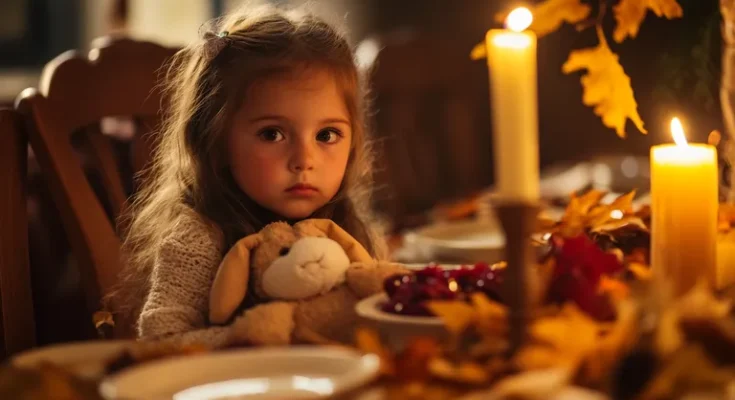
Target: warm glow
[616,214]
[677,131]
[519,19]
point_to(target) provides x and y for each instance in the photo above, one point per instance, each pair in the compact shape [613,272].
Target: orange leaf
[368,341]
[603,213]
[456,315]
[629,15]
[605,86]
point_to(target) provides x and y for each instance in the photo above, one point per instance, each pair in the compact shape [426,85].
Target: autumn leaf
[547,17]
[629,15]
[605,86]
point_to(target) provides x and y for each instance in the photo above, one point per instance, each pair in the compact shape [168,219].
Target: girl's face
[290,141]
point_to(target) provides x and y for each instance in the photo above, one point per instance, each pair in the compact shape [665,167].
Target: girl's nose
[302,157]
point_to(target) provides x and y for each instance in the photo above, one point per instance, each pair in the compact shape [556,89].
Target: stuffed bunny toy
[308,278]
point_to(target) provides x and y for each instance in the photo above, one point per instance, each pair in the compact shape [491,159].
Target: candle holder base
[519,220]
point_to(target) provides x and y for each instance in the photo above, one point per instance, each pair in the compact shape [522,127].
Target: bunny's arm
[366,279]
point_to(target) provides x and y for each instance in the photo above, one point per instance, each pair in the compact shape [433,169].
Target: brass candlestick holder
[519,220]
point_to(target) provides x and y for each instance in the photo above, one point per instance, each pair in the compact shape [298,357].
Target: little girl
[266,123]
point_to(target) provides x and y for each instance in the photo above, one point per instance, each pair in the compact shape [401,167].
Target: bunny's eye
[284,251]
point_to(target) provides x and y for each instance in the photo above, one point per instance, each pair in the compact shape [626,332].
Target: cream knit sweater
[177,305]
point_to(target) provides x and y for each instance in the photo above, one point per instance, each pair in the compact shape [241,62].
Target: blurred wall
[171,22]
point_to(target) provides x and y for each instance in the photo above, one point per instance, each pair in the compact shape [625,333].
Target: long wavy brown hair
[205,84]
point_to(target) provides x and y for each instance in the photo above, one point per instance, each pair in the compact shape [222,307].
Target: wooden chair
[119,77]
[17,327]
[433,123]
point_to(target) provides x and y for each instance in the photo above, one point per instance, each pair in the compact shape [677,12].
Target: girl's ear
[231,283]
[355,251]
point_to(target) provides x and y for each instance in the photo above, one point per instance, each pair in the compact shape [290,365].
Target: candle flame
[519,19]
[677,131]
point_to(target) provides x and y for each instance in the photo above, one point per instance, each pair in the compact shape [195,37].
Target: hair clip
[215,43]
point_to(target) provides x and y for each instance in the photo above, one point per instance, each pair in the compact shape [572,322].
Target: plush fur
[312,274]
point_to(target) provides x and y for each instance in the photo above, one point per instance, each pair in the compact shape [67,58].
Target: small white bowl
[86,359]
[396,329]
[259,373]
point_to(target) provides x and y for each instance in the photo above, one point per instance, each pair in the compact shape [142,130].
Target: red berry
[394,281]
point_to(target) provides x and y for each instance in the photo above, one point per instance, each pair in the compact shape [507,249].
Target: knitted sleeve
[185,267]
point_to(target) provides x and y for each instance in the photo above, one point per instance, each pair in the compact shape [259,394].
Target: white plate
[396,329]
[458,242]
[370,308]
[86,359]
[265,373]
[420,266]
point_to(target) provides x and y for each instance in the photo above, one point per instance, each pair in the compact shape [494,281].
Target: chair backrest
[119,77]
[17,324]
[433,122]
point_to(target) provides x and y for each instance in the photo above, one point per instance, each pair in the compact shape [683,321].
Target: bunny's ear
[355,251]
[231,283]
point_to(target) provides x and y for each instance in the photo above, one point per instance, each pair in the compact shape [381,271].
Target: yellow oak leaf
[629,15]
[547,17]
[605,86]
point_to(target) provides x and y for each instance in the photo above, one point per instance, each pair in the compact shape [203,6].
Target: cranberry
[409,293]
[430,274]
[394,281]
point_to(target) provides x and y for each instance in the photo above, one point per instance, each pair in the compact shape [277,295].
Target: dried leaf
[570,331]
[629,15]
[489,346]
[368,341]
[455,315]
[486,308]
[533,385]
[604,213]
[534,357]
[586,211]
[620,338]
[463,372]
[490,317]
[615,224]
[548,16]
[613,288]
[642,272]
[700,302]
[581,205]
[412,364]
[689,367]
[574,220]
[479,51]
[606,86]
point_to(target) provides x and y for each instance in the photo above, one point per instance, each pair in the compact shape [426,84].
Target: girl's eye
[328,135]
[271,135]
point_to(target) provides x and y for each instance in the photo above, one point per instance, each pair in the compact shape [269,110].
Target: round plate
[265,373]
[86,359]
[397,330]
[370,308]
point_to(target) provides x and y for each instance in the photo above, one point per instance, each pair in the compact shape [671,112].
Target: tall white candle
[684,208]
[511,60]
